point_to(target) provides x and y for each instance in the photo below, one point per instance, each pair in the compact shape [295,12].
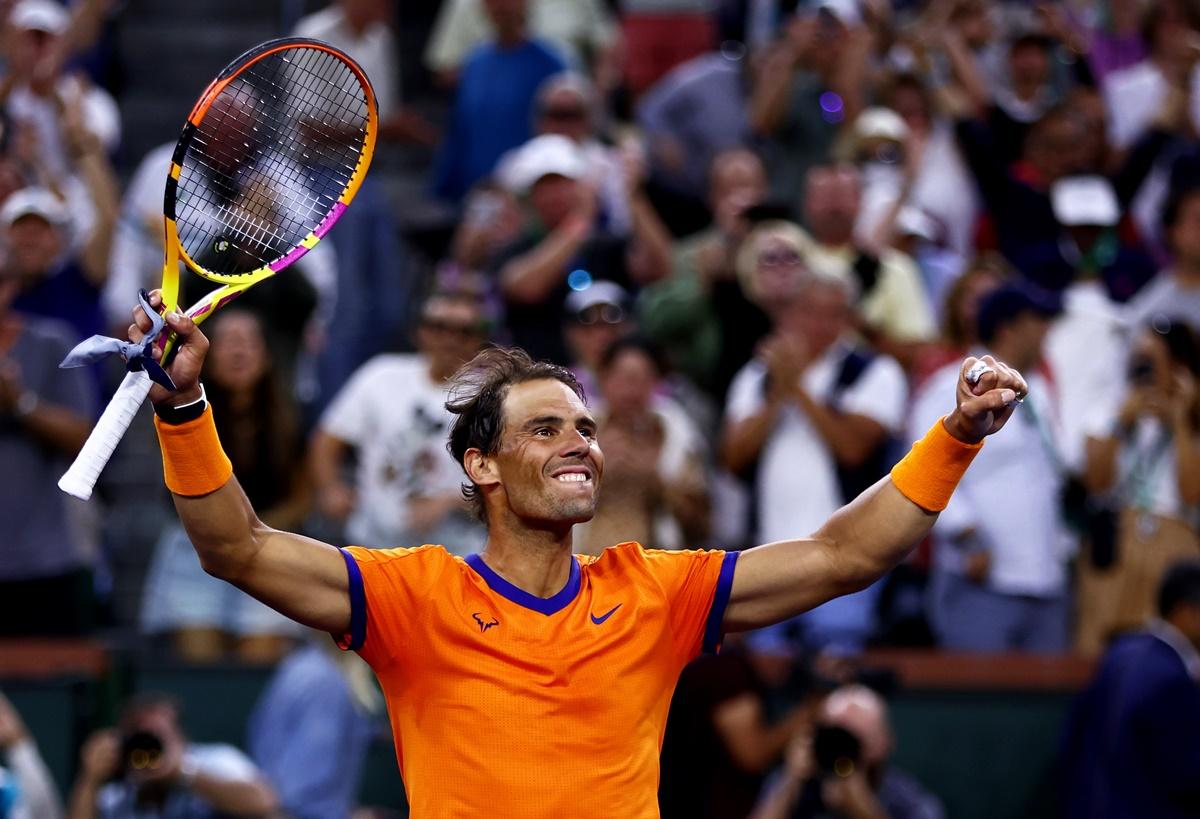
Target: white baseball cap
[33,202]
[546,155]
[880,123]
[1084,200]
[39,15]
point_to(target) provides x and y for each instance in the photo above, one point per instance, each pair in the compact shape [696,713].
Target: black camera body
[837,751]
[140,751]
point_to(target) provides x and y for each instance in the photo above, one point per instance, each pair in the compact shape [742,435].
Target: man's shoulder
[428,553]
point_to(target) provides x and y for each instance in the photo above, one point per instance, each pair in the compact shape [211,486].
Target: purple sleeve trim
[358,604]
[716,614]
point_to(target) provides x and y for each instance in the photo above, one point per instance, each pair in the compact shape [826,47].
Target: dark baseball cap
[1007,302]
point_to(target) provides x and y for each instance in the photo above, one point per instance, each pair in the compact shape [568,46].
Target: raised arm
[301,578]
[866,538]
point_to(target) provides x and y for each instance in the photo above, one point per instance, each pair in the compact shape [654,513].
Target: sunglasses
[600,314]
[564,113]
[779,258]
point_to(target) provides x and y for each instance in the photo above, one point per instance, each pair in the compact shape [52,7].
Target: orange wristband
[194,463]
[929,472]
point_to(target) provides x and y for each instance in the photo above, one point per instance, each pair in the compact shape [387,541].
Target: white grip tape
[118,415]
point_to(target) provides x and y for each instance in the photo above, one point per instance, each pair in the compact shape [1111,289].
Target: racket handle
[118,415]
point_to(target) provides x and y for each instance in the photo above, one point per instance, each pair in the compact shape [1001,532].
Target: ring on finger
[977,371]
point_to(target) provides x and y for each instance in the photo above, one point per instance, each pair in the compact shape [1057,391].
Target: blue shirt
[493,112]
[310,737]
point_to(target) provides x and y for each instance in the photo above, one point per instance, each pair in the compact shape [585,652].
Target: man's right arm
[301,578]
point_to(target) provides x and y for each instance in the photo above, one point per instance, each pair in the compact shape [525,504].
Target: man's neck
[1186,274]
[506,40]
[536,561]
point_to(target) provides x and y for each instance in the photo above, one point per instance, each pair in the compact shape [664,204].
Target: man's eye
[543,431]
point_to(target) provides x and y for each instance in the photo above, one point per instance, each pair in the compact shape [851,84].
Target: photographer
[146,769]
[840,769]
[1145,459]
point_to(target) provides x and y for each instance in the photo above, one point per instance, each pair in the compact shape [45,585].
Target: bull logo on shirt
[484,626]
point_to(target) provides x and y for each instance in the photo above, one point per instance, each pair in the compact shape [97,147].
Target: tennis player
[527,681]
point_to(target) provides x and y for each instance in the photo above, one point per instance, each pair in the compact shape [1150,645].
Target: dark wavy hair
[477,394]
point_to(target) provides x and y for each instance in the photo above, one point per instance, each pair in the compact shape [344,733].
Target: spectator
[653,455]
[1090,334]
[45,565]
[563,249]
[722,737]
[201,616]
[493,107]
[841,770]
[941,187]
[146,768]
[1129,746]
[35,223]
[26,789]
[809,84]
[894,311]
[37,87]
[1135,94]
[567,105]
[363,29]
[374,276]
[1095,241]
[406,486]
[1001,546]
[1175,292]
[811,397]
[688,117]
[699,314]
[311,729]
[1143,457]
[581,32]
[596,317]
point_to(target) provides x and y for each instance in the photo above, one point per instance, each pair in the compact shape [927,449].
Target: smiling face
[548,466]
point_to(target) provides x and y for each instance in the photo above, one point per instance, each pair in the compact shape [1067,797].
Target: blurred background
[763,233]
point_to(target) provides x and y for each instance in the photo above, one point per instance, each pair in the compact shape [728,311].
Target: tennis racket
[271,155]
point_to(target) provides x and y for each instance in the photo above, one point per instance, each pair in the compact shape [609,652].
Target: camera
[140,751]
[837,751]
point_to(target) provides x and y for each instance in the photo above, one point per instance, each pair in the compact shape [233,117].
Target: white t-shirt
[571,26]
[1085,347]
[798,485]
[394,414]
[1164,294]
[1010,495]
[1134,96]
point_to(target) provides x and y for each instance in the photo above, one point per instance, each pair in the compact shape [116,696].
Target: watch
[184,412]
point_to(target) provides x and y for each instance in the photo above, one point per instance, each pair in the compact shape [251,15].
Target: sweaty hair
[477,394]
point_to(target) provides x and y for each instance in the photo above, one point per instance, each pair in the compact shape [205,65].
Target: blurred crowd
[763,233]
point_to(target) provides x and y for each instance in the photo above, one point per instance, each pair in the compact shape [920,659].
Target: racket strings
[272,156]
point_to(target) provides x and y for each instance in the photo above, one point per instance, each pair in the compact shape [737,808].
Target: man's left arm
[873,533]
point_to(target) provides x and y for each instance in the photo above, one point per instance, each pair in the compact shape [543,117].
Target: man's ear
[480,468]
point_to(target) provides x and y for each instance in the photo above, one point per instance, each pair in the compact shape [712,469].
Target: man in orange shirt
[527,681]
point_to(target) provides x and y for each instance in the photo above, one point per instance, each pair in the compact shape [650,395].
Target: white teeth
[573,477]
